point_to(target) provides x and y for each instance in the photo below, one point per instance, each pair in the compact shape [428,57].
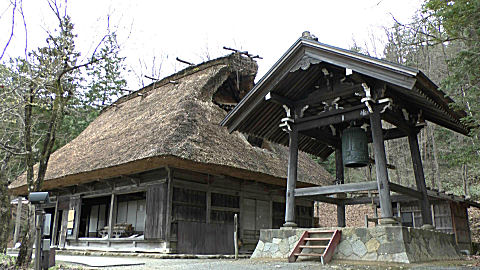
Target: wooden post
[168,212]
[77,205]
[235,236]
[381,167]
[38,237]
[291,178]
[209,205]
[18,219]
[339,172]
[55,227]
[111,215]
[420,179]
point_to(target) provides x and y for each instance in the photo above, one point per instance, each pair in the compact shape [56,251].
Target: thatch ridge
[172,125]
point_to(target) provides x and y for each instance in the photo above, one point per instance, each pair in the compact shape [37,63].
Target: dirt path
[247,264]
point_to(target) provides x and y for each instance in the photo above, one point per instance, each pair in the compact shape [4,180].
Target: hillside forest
[442,40]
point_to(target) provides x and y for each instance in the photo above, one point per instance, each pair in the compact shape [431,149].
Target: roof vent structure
[307,35]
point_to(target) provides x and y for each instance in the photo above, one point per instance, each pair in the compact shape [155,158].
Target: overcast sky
[196,30]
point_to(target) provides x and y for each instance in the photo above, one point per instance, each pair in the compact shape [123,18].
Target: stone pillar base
[388,222]
[289,225]
[428,227]
[381,243]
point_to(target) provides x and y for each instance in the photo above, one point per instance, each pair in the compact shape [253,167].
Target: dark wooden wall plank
[155,219]
[203,238]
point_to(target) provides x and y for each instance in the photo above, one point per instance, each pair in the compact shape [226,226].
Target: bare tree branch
[24,26]
[13,27]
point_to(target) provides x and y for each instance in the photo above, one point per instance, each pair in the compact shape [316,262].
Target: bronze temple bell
[355,147]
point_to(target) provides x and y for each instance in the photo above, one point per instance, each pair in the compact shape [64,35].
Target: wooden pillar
[76,204]
[168,210]
[111,214]
[55,226]
[18,219]
[339,173]
[291,179]
[381,167]
[420,179]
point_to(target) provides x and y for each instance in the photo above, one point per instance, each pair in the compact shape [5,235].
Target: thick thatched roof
[174,122]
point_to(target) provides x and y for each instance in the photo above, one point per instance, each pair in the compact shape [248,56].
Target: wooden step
[317,239]
[305,246]
[328,250]
[326,231]
[309,254]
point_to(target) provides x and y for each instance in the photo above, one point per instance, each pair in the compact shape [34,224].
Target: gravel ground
[197,264]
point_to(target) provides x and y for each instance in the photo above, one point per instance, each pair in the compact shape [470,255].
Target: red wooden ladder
[321,242]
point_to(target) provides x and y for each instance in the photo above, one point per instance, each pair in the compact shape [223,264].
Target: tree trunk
[466,191]
[435,161]
[5,208]
[26,247]
[5,213]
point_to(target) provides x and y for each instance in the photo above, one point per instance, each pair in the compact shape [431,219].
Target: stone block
[370,256]
[260,245]
[394,233]
[278,254]
[400,257]
[391,248]
[345,248]
[359,248]
[372,245]
[377,232]
[284,247]
[292,239]
[273,248]
[267,247]
[256,254]
[265,235]
[276,241]
[363,234]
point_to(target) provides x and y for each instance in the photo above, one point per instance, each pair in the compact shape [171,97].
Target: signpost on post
[37,199]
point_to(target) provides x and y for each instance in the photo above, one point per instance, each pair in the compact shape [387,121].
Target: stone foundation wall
[382,243]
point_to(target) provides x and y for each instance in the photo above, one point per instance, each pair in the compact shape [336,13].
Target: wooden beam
[324,137]
[248,104]
[332,117]
[281,100]
[381,166]
[134,180]
[291,179]
[420,178]
[405,190]
[334,189]
[111,214]
[394,133]
[324,93]
[325,199]
[169,210]
[375,200]
[54,230]
[339,174]
[397,119]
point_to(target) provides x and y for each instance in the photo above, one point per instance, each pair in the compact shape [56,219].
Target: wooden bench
[119,230]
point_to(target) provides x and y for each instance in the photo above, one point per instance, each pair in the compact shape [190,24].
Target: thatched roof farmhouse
[174,122]
[157,167]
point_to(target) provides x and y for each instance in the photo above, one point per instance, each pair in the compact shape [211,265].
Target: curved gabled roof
[173,122]
[298,71]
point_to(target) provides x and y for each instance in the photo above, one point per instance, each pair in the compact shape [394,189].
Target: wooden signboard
[70,221]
